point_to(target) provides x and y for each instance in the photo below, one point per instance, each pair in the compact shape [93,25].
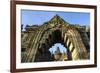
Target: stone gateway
[36,40]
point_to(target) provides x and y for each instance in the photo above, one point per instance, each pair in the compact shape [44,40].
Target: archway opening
[47,50]
[58,52]
[57,36]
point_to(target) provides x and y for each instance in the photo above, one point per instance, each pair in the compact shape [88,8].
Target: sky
[61,47]
[34,17]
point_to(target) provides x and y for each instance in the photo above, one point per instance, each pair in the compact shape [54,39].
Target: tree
[21,27]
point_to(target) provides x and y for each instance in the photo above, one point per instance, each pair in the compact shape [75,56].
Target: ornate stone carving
[36,41]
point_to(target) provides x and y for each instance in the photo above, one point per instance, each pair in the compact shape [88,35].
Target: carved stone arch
[48,34]
[78,51]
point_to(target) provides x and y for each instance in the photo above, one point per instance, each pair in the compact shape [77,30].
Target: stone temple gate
[36,40]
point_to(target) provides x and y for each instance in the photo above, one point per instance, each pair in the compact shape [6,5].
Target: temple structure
[36,41]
